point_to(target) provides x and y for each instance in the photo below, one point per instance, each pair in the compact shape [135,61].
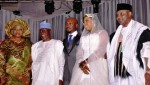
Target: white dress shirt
[74,34]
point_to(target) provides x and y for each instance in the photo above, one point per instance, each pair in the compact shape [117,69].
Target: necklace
[17,40]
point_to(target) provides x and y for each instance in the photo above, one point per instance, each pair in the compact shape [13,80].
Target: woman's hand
[83,66]
[2,80]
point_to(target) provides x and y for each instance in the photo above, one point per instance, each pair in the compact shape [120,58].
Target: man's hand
[147,75]
[60,82]
[83,66]
[147,79]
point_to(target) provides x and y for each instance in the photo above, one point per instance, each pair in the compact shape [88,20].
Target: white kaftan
[48,62]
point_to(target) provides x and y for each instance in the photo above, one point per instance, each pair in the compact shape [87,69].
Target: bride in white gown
[91,66]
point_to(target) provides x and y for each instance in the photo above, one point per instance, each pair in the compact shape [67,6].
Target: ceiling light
[49,6]
[95,5]
[77,6]
[17,12]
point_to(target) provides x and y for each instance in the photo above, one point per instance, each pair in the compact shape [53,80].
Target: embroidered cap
[44,24]
[124,6]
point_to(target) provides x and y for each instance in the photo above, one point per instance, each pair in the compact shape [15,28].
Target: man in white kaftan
[48,59]
[129,51]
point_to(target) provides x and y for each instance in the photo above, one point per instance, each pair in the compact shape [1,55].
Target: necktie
[70,39]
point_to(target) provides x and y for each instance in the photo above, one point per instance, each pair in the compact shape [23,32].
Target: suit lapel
[65,43]
[75,41]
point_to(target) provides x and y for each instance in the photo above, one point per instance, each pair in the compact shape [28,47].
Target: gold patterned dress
[15,62]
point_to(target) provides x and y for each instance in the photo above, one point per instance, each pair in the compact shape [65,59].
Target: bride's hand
[83,66]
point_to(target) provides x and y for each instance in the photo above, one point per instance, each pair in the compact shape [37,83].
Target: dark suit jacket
[70,57]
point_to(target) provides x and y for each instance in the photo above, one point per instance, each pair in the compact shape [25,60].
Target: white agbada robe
[48,62]
[129,45]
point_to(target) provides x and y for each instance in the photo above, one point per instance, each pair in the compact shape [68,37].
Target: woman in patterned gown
[15,54]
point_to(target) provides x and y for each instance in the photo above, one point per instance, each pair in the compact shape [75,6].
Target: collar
[74,33]
[124,29]
[130,24]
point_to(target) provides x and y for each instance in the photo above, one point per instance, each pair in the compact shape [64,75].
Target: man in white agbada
[91,67]
[129,51]
[48,58]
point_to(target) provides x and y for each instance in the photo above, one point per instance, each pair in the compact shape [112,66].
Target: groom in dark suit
[70,46]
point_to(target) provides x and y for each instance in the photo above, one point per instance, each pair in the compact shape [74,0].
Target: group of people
[90,58]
